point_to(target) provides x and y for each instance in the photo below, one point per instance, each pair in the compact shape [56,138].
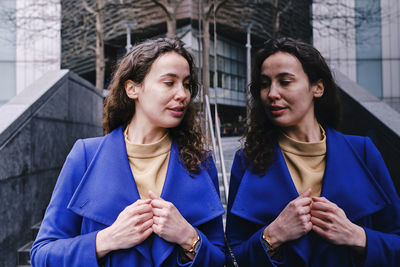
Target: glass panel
[242,54]
[234,83]
[242,84]
[227,65]
[219,79]
[234,52]
[234,67]
[220,63]
[8,82]
[227,84]
[227,93]
[220,48]
[226,49]
[243,71]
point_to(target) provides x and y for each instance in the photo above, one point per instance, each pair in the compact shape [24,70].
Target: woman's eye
[187,86]
[169,83]
[283,83]
[264,84]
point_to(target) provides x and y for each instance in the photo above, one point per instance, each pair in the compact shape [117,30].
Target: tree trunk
[206,56]
[100,59]
[276,18]
[171,25]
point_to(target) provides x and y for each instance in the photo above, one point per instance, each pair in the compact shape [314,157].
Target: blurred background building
[361,38]
[30,41]
[128,22]
[57,59]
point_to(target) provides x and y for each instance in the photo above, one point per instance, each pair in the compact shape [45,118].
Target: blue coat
[355,178]
[96,184]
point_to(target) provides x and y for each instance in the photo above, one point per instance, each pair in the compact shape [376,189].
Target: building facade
[145,20]
[361,38]
[30,41]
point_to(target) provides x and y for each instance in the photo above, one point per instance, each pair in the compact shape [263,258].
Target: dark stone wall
[366,115]
[33,148]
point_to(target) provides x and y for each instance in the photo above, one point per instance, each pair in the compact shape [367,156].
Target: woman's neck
[141,133]
[305,133]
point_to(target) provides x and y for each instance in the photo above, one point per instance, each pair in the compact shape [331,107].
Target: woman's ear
[318,89]
[131,89]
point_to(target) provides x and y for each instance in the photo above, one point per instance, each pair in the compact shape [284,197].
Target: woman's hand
[330,222]
[292,223]
[170,225]
[132,227]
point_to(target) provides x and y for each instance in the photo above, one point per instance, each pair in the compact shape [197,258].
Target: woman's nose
[181,93]
[273,92]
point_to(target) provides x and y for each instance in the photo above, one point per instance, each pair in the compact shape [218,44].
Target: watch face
[267,246]
[197,246]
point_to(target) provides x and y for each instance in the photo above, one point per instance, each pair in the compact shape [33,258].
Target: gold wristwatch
[195,246]
[267,243]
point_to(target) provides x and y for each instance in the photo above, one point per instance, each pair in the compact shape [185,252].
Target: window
[219,79]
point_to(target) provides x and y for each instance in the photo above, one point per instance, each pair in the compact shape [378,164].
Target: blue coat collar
[108,186]
[347,182]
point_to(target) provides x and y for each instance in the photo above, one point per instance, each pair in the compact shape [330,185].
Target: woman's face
[286,91]
[162,98]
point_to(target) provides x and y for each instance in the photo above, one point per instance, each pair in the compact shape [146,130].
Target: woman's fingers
[140,202]
[319,214]
[305,210]
[160,212]
[146,224]
[140,206]
[320,222]
[321,200]
[152,195]
[139,219]
[304,201]
[319,230]
[306,193]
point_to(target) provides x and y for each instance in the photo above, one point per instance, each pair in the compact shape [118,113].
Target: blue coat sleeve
[211,249]
[244,237]
[383,241]
[59,241]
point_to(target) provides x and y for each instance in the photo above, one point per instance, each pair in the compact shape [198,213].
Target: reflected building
[147,20]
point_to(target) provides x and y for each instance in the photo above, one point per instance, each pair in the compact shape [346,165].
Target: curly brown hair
[119,108]
[261,134]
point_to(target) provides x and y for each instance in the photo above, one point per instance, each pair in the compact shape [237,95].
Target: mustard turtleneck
[306,162]
[149,164]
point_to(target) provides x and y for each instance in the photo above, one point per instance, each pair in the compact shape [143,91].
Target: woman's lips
[277,110]
[177,111]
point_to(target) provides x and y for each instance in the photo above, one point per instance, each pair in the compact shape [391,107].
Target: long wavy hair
[119,108]
[261,134]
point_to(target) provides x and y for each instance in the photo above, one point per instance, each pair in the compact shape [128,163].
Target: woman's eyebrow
[169,75]
[283,74]
[174,75]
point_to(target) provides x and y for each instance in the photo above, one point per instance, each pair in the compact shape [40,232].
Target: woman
[146,194]
[301,193]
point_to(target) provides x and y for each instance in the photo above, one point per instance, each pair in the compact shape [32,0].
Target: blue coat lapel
[261,199]
[347,182]
[195,197]
[108,187]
